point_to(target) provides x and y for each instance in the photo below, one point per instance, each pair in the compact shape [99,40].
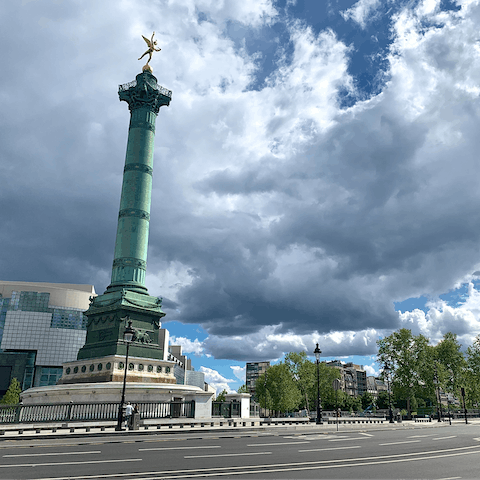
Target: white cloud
[361,11]
[464,319]
[188,346]
[372,370]
[216,380]
[269,344]
[239,372]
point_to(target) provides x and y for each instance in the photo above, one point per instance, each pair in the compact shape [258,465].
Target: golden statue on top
[151,48]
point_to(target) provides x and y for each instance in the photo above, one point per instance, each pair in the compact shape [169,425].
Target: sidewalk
[98,429]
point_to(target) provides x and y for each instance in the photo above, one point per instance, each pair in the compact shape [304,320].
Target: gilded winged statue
[151,48]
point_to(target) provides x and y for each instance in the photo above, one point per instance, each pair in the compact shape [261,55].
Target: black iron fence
[68,412]
[226,409]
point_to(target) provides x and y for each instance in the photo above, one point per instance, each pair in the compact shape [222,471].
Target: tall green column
[144,97]
[126,298]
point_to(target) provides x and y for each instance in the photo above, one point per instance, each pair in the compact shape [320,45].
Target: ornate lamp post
[128,335]
[437,392]
[386,371]
[319,420]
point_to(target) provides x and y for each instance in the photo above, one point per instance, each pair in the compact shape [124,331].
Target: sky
[315,175]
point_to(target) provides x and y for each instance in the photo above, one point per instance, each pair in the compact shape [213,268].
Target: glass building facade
[41,327]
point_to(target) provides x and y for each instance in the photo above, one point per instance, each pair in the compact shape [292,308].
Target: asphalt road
[447,452]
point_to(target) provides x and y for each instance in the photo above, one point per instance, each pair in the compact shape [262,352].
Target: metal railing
[226,409]
[68,412]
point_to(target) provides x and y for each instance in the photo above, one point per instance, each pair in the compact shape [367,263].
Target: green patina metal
[126,297]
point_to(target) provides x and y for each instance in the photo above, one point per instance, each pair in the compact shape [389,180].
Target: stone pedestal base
[112,369]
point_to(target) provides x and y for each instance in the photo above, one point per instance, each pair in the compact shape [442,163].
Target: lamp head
[317,352]
[128,333]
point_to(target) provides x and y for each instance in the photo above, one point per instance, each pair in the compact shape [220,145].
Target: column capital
[144,92]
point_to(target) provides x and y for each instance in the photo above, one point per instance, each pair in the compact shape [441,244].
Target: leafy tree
[382,400]
[221,396]
[297,364]
[411,359]
[12,395]
[472,373]
[242,389]
[277,390]
[451,363]
[367,400]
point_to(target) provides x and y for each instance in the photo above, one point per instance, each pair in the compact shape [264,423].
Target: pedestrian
[128,414]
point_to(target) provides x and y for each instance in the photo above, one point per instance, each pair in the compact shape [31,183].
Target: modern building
[42,325]
[253,371]
[353,377]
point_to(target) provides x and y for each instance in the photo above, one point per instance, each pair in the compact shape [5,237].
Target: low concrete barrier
[354,420]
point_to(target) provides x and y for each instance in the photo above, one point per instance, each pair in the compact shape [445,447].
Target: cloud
[279,217]
[440,318]
[216,380]
[270,344]
[239,372]
[372,370]
[188,346]
[361,11]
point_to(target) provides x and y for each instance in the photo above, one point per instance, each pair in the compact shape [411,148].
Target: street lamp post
[386,370]
[437,392]
[319,420]
[127,338]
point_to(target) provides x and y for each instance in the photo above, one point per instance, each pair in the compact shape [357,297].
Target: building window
[49,376]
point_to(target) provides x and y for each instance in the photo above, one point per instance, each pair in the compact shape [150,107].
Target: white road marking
[71,463]
[228,455]
[444,438]
[398,443]
[345,439]
[422,436]
[367,434]
[332,448]
[48,454]
[279,443]
[449,478]
[176,448]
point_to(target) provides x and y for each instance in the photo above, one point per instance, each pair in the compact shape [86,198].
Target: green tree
[367,400]
[12,395]
[221,396]
[277,390]
[242,389]
[382,400]
[300,370]
[472,373]
[411,359]
[451,366]
[326,375]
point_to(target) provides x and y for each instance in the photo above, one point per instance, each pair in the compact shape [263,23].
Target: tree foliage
[472,373]
[222,396]
[12,395]
[242,389]
[292,384]
[410,359]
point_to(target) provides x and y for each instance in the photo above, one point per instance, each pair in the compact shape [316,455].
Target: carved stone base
[112,369]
